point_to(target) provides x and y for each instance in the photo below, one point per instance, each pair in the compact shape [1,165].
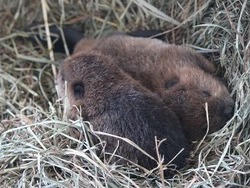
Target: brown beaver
[182,77]
[115,103]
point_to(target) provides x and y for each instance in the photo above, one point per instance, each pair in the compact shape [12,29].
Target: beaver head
[186,90]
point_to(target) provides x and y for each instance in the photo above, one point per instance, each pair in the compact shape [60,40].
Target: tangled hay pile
[40,149]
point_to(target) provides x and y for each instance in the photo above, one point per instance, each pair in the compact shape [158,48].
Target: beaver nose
[228,112]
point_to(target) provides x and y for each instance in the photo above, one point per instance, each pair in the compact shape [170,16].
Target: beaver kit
[142,89]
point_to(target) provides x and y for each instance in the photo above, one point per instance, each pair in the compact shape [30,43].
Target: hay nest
[39,149]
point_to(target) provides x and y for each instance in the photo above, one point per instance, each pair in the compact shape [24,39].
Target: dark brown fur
[181,76]
[115,103]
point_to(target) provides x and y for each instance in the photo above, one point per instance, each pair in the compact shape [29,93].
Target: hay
[39,149]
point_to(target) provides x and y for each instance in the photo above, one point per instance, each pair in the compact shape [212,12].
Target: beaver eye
[171,83]
[206,93]
[79,90]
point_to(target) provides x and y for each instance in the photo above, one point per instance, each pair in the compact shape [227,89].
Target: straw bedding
[39,148]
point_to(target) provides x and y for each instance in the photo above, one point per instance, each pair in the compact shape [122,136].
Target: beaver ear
[206,93]
[171,83]
[78,90]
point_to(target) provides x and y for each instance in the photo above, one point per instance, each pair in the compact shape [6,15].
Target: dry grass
[39,149]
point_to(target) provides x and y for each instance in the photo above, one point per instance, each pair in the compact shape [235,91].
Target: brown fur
[85,45]
[182,77]
[115,103]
